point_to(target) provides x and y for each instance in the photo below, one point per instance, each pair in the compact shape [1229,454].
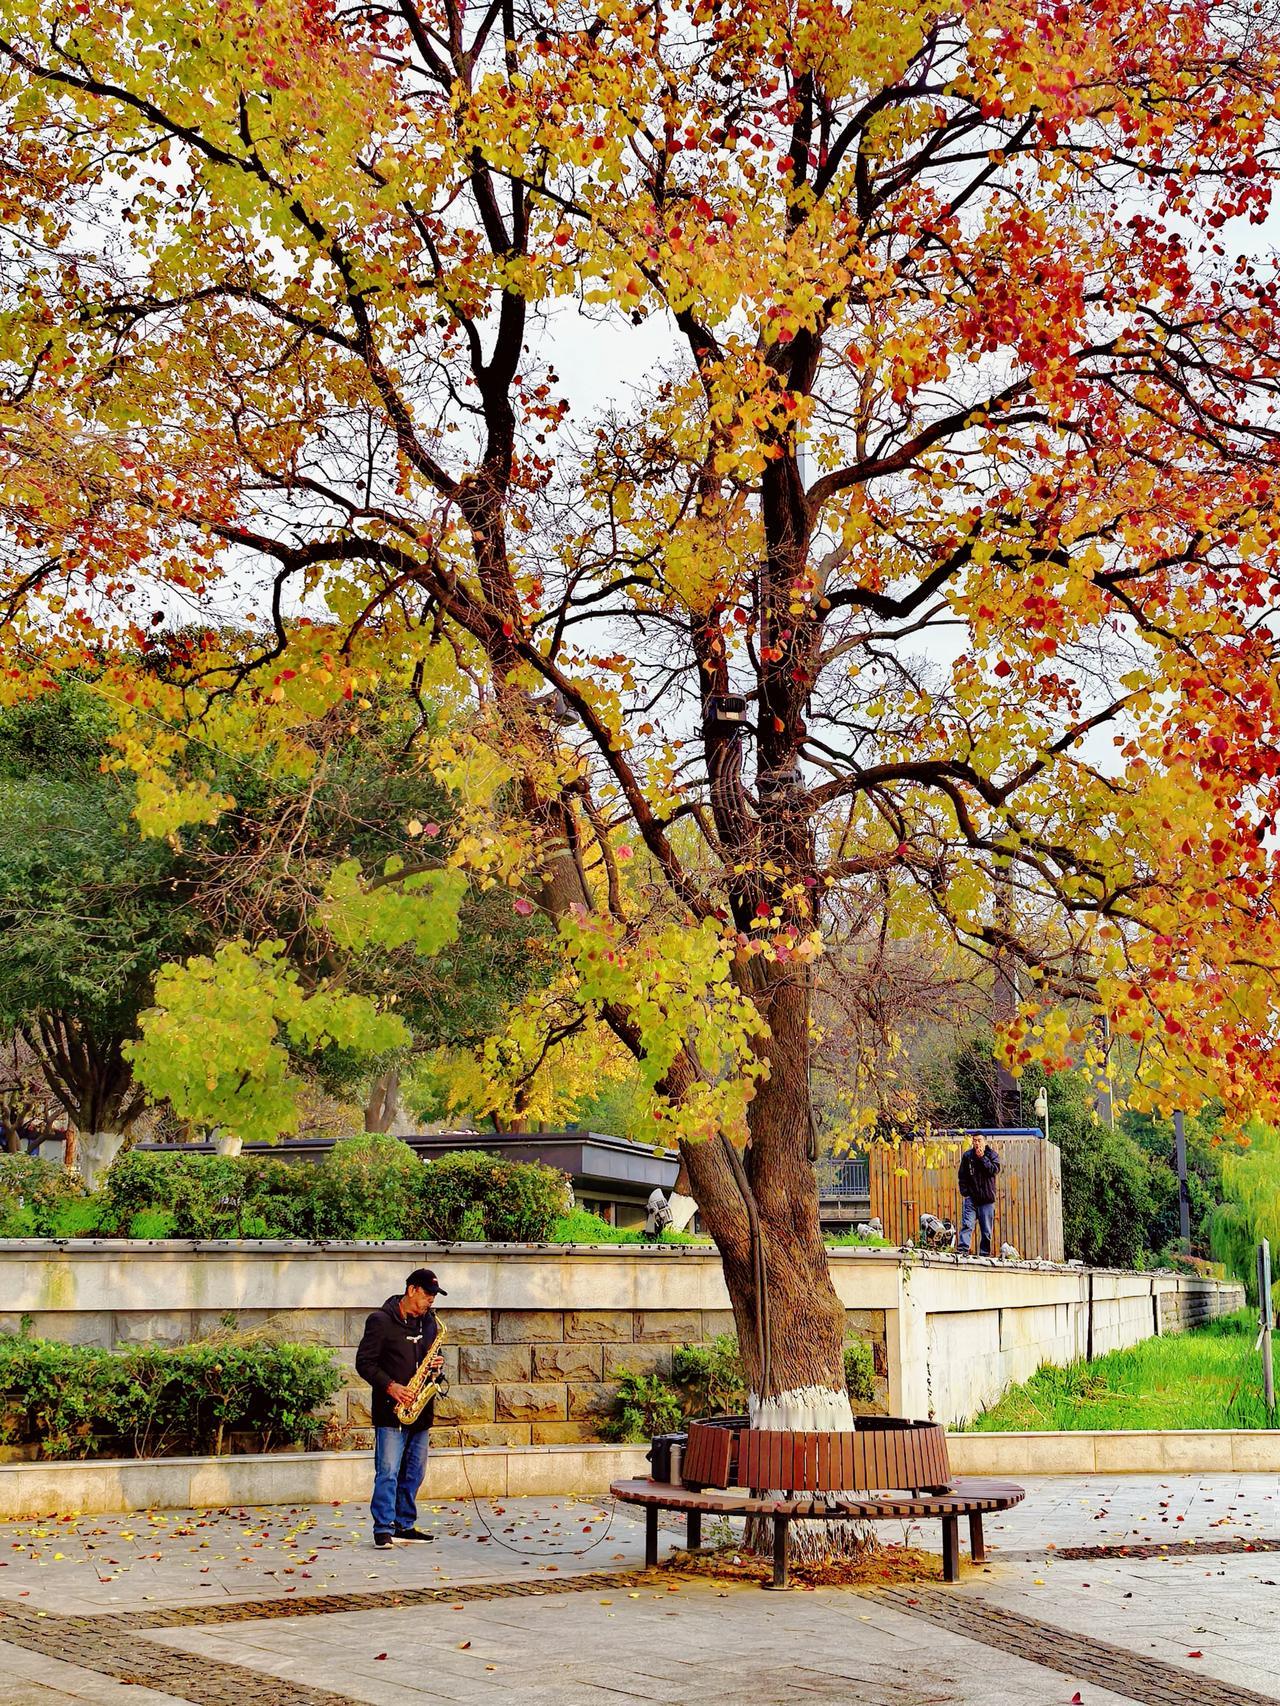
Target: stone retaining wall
[538,1333]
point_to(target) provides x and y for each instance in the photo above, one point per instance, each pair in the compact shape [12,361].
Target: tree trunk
[791,1323]
[95,1151]
[382,1108]
[87,1073]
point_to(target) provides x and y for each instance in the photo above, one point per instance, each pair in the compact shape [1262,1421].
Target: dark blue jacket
[978,1175]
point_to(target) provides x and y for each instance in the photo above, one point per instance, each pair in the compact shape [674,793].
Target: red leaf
[379,1655]
[1196,1655]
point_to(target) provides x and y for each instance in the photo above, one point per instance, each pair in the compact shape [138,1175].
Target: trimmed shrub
[474,1195]
[645,1405]
[205,1194]
[710,1377]
[521,1201]
[80,1401]
[33,1194]
[369,1187]
[366,1188]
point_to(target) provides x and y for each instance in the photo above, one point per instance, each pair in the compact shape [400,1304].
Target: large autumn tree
[918,581]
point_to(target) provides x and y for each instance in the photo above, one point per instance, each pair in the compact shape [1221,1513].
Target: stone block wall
[1182,1309]
[539,1334]
[516,1376]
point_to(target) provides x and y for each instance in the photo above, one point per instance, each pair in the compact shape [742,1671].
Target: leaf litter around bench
[880,1566]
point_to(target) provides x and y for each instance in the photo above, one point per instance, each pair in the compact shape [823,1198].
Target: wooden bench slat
[872,1465]
[966,1496]
[811,1461]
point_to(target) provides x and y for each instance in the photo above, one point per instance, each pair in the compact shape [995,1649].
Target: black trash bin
[659,1454]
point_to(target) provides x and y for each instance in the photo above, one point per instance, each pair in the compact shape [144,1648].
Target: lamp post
[1184,1199]
[1042,1108]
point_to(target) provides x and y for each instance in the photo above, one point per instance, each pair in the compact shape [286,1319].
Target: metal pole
[1264,1307]
[1004,998]
[1104,1100]
[1184,1200]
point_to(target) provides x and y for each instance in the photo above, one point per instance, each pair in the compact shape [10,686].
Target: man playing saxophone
[399,1339]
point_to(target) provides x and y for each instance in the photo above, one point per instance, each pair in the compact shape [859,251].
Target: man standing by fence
[978,1168]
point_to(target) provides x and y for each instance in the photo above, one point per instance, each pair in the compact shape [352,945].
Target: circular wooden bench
[734,1470]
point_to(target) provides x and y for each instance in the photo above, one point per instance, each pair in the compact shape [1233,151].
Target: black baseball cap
[425,1280]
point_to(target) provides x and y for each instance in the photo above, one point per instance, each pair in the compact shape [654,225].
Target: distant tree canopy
[89,909]
[92,911]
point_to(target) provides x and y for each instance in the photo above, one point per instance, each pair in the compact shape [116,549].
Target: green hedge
[366,1188]
[80,1401]
[36,1197]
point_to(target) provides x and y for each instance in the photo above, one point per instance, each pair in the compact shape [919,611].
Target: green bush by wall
[366,1188]
[80,1401]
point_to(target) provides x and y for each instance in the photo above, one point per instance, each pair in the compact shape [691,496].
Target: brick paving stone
[1168,1549]
[1106,1666]
[109,1644]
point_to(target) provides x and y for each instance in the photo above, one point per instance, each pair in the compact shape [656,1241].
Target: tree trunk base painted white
[682,1209]
[95,1152]
[807,1409]
[228,1145]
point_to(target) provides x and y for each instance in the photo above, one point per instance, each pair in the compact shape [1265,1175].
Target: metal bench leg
[693,1531]
[977,1545]
[781,1553]
[951,1548]
[651,1537]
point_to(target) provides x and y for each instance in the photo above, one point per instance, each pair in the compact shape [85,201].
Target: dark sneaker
[412,1534]
[381,1540]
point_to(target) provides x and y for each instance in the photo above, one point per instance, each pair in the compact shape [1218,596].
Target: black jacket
[391,1349]
[978,1175]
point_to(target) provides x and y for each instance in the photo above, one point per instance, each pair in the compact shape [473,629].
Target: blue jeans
[399,1463]
[985,1215]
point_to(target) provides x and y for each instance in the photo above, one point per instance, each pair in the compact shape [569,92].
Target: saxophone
[427,1383]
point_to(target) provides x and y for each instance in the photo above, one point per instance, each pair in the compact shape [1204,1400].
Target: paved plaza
[1102,1591]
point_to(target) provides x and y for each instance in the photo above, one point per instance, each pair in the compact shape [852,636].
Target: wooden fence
[919,1177]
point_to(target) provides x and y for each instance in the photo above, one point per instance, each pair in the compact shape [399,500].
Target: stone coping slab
[1120,1452]
[32,1490]
[398,1248]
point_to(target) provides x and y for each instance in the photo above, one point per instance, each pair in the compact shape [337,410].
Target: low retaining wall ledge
[30,1490]
[35,1490]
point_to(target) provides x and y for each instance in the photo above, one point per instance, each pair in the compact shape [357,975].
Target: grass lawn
[1209,1378]
[583,1228]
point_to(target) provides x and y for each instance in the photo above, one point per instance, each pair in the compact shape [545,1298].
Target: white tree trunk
[819,1410]
[95,1152]
[809,1409]
[226,1145]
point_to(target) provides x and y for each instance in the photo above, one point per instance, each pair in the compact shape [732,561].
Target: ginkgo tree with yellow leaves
[927,576]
